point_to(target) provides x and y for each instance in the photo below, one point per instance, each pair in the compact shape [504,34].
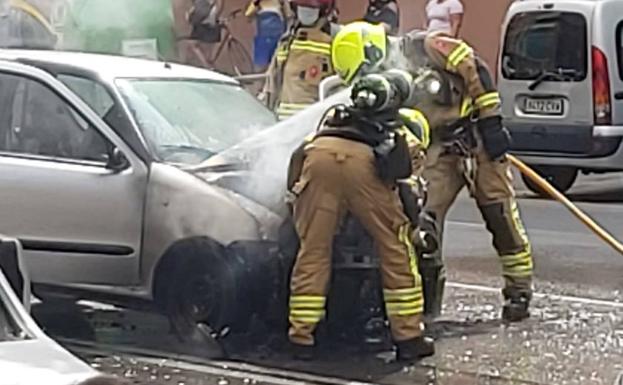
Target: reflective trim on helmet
[357,48]
[418,118]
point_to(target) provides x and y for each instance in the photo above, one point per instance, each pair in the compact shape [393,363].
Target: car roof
[110,67]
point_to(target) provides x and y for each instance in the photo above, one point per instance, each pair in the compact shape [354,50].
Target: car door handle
[618,95]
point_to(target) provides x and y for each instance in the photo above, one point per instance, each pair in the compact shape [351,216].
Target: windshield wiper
[561,74]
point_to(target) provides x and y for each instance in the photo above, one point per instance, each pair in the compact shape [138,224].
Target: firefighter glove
[495,137]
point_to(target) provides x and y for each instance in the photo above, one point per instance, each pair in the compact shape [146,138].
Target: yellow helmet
[357,48]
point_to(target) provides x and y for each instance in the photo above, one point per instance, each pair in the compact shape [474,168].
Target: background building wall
[481,25]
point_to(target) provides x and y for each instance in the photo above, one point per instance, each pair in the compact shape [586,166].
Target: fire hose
[551,191]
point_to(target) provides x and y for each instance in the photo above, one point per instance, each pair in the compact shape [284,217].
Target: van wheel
[562,178]
[201,303]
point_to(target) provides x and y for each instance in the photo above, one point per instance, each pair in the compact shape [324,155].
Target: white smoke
[267,154]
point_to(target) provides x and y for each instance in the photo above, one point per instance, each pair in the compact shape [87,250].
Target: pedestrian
[302,60]
[354,164]
[271,20]
[445,16]
[468,146]
[26,24]
[206,33]
[386,12]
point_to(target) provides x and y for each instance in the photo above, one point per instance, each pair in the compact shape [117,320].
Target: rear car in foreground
[561,78]
[27,355]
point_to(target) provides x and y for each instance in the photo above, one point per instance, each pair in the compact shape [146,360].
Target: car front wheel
[201,303]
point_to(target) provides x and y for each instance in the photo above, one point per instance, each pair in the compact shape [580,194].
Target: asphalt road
[575,335]
[568,257]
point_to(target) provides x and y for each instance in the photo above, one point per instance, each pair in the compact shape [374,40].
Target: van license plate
[543,106]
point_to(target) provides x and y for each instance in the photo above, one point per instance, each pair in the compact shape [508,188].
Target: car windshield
[546,44]
[187,121]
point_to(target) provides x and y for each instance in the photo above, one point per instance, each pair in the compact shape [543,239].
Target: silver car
[102,179]
[561,79]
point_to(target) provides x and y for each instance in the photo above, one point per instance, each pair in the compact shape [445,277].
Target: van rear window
[548,45]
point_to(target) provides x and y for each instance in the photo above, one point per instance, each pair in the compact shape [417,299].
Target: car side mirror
[117,161]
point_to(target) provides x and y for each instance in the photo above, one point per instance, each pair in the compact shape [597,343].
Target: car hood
[257,167]
[40,361]
[268,213]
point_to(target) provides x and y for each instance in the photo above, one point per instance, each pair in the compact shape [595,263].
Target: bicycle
[240,62]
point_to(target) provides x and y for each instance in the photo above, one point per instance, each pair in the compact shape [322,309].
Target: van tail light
[601,89]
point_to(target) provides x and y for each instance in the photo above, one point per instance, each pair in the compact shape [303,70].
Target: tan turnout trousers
[495,196]
[338,176]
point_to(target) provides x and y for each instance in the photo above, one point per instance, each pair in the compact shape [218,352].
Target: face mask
[307,16]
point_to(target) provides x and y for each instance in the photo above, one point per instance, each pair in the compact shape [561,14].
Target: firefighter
[468,140]
[354,164]
[386,12]
[302,60]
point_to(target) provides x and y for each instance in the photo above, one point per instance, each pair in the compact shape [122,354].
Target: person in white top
[444,15]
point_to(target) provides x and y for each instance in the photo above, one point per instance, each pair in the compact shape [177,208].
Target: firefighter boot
[415,349]
[516,306]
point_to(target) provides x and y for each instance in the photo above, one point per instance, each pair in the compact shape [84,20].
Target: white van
[560,74]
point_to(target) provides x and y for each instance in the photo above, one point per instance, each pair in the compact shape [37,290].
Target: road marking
[563,298]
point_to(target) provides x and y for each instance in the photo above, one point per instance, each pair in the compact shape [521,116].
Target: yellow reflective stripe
[418,117]
[308,299]
[519,274]
[406,301]
[459,54]
[411,290]
[402,298]
[467,107]
[34,12]
[311,43]
[421,119]
[311,48]
[412,308]
[404,237]
[404,306]
[488,99]
[519,225]
[307,313]
[314,50]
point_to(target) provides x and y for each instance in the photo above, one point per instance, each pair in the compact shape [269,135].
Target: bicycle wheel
[239,59]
